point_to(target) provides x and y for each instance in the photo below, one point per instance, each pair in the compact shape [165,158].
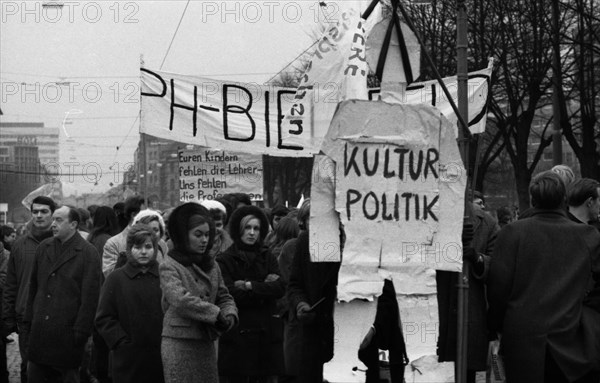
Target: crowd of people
[199,292]
[225,291]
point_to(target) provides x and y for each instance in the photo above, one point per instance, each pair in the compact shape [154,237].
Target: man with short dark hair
[18,273]
[583,200]
[62,301]
[538,278]
[117,244]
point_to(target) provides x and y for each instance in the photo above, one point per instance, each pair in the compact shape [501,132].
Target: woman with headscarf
[129,315]
[198,307]
[250,271]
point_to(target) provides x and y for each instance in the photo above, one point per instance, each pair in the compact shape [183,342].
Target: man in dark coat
[583,198]
[18,273]
[478,245]
[311,293]
[537,282]
[63,295]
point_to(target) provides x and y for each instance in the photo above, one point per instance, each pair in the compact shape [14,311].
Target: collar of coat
[132,271]
[551,213]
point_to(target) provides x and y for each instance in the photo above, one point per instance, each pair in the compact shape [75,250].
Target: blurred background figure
[8,235]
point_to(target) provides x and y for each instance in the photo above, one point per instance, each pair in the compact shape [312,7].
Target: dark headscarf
[184,218]
[236,218]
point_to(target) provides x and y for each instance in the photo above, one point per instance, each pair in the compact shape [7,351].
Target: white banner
[248,117]
[208,174]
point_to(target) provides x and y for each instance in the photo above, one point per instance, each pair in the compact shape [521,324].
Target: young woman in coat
[198,307]
[250,271]
[129,315]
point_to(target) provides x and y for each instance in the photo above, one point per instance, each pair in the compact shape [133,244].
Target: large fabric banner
[399,189]
[248,117]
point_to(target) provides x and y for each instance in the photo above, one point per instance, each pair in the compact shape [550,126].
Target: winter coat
[539,273]
[63,297]
[255,347]
[129,318]
[18,276]
[485,231]
[192,300]
[310,282]
[112,248]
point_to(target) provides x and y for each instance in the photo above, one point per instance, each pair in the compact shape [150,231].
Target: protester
[153,219]
[538,278]
[287,228]
[218,213]
[253,350]
[18,274]
[63,296]
[276,214]
[104,226]
[478,240]
[117,244]
[129,315]
[197,306]
[505,216]
[565,173]
[583,200]
[311,293]
[84,225]
[8,235]
[4,254]
[119,209]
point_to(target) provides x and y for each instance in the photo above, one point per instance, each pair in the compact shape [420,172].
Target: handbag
[495,364]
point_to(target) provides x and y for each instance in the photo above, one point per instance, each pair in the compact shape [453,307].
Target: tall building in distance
[29,151]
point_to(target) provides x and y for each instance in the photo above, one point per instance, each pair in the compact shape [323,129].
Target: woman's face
[155,226]
[143,253]
[251,232]
[198,238]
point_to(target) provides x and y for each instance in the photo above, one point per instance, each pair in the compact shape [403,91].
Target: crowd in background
[198,292]
[226,291]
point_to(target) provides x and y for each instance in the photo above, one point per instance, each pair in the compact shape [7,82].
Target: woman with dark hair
[130,316]
[198,307]
[105,226]
[250,271]
[286,229]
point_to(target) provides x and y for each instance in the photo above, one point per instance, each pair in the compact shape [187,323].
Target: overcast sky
[94,48]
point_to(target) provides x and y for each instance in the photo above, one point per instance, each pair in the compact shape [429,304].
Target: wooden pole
[462,76]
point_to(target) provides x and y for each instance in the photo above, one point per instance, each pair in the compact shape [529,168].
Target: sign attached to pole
[207,174]
[399,189]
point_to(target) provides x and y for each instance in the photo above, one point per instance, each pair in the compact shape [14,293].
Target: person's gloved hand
[231,322]
[304,314]
[468,233]
[222,323]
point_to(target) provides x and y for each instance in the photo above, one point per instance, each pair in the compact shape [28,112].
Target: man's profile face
[594,208]
[42,216]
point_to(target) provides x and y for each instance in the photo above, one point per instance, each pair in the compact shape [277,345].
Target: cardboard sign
[207,174]
[399,189]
